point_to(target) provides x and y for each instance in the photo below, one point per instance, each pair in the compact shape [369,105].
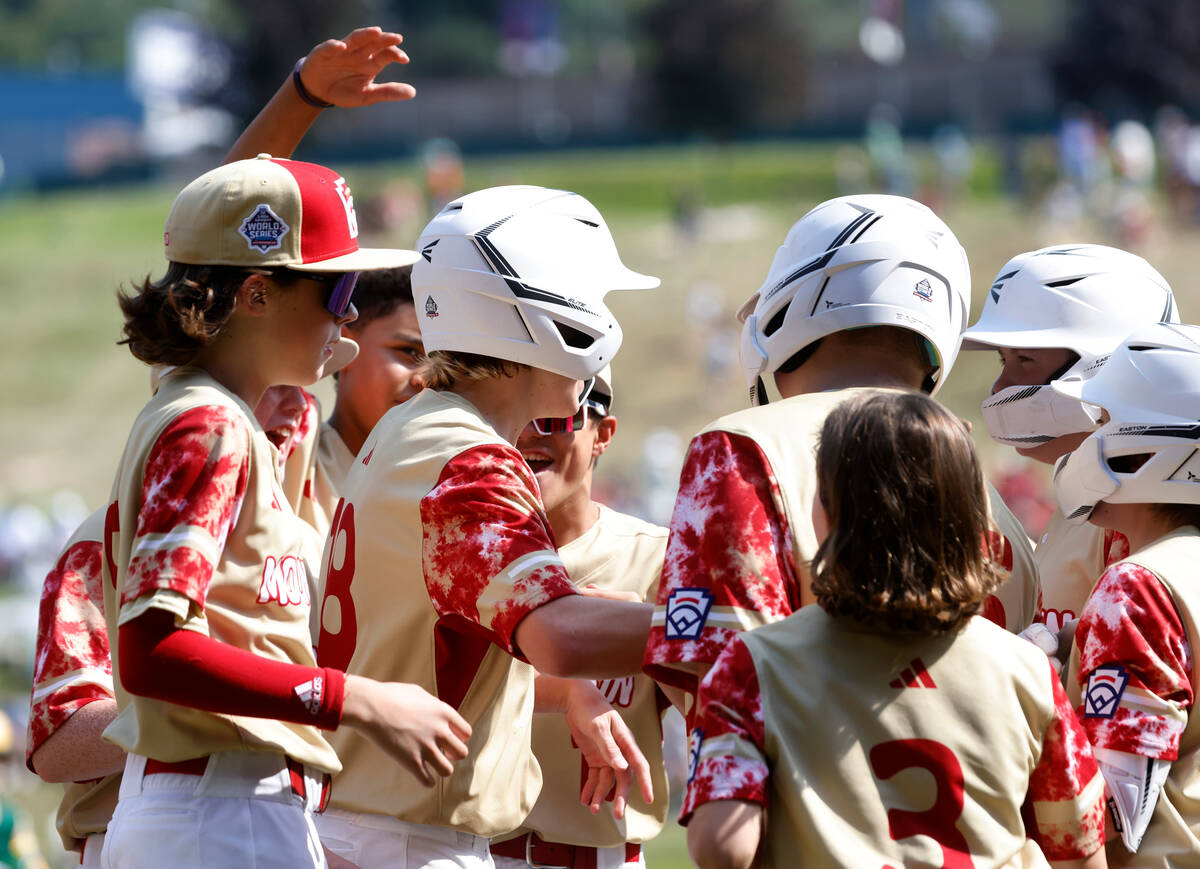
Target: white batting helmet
[520,273]
[1150,388]
[856,261]
[1084,297]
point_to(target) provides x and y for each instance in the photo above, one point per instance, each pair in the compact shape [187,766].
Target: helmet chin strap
[587,389]
[758,393]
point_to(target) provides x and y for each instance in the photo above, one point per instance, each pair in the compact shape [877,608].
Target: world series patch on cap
[270,212]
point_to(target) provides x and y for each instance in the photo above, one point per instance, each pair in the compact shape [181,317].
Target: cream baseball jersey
[326,462]
[72,668]
[742,537]
[300,456]
[438,548]
[618,553]
[1070,559]
[200,527]
[1133,680]
[869,749]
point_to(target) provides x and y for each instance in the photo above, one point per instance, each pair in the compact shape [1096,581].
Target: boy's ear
[252,294]
[605,429]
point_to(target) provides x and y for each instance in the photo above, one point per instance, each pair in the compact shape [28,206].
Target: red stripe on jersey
[922,673]
[459,646]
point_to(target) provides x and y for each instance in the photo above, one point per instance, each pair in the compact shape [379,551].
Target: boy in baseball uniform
[441,564]
[610,553]
[1057,313]
[1132,673]
[72,699]
[859,732]
[206,594]
[866,292]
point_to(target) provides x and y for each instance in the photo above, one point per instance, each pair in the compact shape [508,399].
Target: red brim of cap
[365,259]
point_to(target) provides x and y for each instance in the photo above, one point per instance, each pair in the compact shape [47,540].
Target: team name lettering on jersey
[311,693]
[284,580]
[618,692]
[687,611]
[1104,690]
[1055,619]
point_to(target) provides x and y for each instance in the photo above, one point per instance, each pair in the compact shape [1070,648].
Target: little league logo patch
[687,611]
[263,229]
[1104,689]
[924,290]
[694,753]
[430,307]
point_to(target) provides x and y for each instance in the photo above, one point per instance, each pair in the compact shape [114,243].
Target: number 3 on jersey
[938,822]
[339,626]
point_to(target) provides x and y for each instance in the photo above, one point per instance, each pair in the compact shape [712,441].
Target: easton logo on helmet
[430,307]
[263,229]
[425,251]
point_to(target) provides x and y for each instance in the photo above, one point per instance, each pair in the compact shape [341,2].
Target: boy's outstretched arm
[338,72]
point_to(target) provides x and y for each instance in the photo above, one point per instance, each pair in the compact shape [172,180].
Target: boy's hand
[342,71]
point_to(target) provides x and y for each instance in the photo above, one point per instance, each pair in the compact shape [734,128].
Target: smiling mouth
[279,436]
[537,461]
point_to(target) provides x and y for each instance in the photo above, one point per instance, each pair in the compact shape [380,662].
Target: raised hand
[342,71]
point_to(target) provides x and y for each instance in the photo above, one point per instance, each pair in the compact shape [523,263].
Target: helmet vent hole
[1065,282]
[573,337]
[1128,464]
[776,321]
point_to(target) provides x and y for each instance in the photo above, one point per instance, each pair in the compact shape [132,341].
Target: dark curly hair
[378,293]
[168,321]
[902,487]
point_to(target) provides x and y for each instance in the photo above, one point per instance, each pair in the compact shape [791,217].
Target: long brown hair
[902,487]
[168,321]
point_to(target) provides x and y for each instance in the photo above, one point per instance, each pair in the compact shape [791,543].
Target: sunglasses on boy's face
[565,425]
[338,300]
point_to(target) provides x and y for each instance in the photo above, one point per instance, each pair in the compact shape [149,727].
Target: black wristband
[315,102]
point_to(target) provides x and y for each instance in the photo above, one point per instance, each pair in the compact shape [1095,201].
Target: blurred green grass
[69,393]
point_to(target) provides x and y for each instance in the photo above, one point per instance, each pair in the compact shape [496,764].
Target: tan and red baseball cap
[269,212]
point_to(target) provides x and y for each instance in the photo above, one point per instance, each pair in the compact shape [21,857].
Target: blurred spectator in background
[955,157]
[1133,158]
[1172,132]
[890,163]
[442,163]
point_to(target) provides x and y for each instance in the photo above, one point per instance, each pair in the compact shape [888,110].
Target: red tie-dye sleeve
[488,551]
[728,562]
[72,666]
[1116,547]
[192,490]
[1065,802]
[728,760]
[1135,665]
